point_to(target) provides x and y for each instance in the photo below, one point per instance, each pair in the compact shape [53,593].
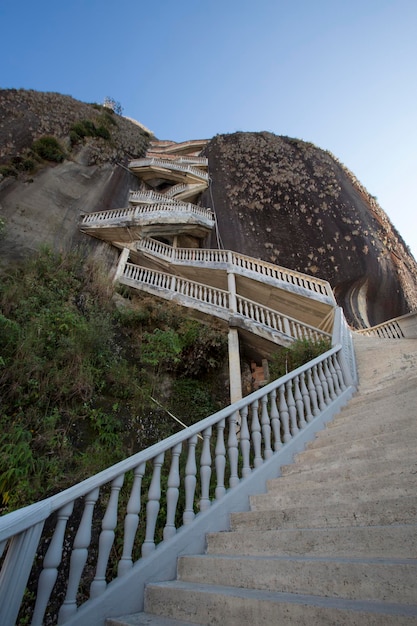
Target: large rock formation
[287,201]
[276,198]
[44,205]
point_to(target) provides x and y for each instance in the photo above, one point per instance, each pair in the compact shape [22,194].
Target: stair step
[145,619]
[229,606]
[353,431]
[381,512]
[387,580]
[312,493]
[374,446]
[347,470]
[398,541]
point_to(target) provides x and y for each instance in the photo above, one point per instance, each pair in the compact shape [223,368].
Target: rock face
[288,202]
[44,206]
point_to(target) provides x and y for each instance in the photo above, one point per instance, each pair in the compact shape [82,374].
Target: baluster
[232,448]
[190,481]
[275,423]
[131,520]
[172,492]
[256,435]
[268,319]
[333,374]
[312,392]
[287,328]
[152,506]
[324,384]
[266,428]
[106,540]
[306,398]
[291,409]
[79,556]
[220,461]
[205,470]
[299,403]
[283,411]
[245,442]
[51,563]
[329,379]
[339,372]
[319,389]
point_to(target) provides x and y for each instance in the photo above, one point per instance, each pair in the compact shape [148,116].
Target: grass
[77,374]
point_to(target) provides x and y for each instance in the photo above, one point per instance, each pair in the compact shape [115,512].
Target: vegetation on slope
[78,374]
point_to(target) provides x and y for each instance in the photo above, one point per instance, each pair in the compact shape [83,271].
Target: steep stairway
[333,541]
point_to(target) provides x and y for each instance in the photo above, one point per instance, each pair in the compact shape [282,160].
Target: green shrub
[49,149]
[87,128]
[103,132]
[300,352]
[8,170]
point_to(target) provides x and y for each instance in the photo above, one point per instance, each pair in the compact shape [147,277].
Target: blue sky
[339,73]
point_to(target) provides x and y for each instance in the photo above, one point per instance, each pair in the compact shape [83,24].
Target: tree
[111,103]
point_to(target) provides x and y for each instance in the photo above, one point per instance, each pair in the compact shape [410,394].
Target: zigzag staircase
[331,542]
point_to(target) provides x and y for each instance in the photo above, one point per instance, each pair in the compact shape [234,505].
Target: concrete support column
[123,258]
[235,373]
[231,285]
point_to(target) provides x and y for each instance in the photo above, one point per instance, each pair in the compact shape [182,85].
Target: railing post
[123,258]
[15,572]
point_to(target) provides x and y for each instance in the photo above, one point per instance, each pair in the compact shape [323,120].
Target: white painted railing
[207,459]
[278,322]
[196,291]
[260,269]
[168,284]
[190,189]
[403,327]
[147,197]
[387,330]
[153,211]
[172,146]
[170,165]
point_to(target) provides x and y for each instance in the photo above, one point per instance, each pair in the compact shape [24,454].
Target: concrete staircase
[334,539]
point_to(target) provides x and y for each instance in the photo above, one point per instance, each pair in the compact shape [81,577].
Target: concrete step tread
[402,463]
[145,619]
[366,606]
[374,443]
[389,580]
[412,562]
[351,489]
[396,541]
[400,510]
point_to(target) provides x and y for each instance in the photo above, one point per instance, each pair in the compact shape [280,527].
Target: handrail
[171,165]
[283,324]
[219,299]
[131,213]
[262,269]
[147,197]
[402,327]
[268,419]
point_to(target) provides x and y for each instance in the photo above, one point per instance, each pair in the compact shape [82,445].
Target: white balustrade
[252,430]
[169,165]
